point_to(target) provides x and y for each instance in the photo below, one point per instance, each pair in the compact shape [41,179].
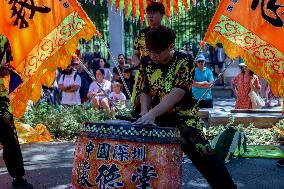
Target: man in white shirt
[69,84]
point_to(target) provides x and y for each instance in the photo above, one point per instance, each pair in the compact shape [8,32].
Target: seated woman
[96,95]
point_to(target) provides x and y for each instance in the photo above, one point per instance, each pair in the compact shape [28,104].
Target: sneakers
[20,183]
[280,163]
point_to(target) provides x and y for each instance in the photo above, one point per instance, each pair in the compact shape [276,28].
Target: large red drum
[116,154]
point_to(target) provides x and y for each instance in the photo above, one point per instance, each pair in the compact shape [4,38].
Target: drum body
[119,155]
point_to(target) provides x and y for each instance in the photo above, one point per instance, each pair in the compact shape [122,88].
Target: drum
[116,154]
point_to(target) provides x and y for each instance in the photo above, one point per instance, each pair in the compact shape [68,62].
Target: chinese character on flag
[43,35]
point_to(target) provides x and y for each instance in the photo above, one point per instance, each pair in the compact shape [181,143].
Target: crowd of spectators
[74,86]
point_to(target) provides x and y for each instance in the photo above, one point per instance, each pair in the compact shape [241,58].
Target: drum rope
[208,89]
[127,90]
[117,67]
[214,82]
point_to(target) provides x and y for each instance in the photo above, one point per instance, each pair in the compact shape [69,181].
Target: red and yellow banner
[138,7]
[43,35]
[253,30]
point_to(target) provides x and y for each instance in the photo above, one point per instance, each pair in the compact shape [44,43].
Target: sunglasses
[200,61]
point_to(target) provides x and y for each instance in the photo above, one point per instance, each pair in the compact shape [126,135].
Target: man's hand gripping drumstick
[148,117]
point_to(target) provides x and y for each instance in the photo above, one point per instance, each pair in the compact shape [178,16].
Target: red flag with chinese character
[43,35]
[253,30]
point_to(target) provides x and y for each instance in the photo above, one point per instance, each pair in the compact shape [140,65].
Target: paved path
[227,104]
[48,165]
[222,110]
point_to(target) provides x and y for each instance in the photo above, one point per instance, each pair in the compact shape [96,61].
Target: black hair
[127,70]
[159,38]
[155,6]
[121,55]
[243,71]
[105,61]
[107,65]
[102,71]
[220,45]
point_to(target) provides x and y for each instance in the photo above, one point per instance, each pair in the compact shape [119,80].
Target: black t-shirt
[129,83]
[115,71]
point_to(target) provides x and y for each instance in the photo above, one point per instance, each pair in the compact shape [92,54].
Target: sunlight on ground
[199,183]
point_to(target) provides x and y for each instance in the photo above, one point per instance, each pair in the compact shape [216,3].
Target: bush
[255,136]
[278,130]
[62,122]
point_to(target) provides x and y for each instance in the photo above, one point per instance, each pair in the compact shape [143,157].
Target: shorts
[100,98]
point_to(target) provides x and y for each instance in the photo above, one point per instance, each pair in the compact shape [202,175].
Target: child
[117,96]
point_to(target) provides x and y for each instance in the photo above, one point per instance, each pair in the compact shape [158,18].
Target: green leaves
[63,122]
[255,136]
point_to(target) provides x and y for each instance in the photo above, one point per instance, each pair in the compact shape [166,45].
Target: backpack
[228,143]
[75,76]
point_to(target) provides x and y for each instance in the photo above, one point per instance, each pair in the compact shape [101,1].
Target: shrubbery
[62,122]
[255,136]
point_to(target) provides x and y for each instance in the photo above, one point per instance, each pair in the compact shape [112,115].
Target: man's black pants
[12,154]
[199,151]
[205,103]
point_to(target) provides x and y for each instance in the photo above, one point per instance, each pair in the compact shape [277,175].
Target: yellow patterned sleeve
[136,45]
[184,76]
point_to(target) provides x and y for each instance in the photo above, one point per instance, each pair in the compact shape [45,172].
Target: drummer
[166,100]
[155,12]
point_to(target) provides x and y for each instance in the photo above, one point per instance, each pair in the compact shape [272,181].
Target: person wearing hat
[203,79]
[86,80]
[242,84]
[70,83]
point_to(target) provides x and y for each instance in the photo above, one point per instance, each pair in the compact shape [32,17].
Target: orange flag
[253,30]
[43,35]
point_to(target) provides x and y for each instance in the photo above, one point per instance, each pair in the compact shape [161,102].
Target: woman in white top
[97,97]
[105,67]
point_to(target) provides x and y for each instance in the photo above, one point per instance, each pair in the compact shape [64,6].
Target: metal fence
[190,27]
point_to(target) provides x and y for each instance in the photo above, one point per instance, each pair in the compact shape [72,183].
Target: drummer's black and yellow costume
[158,81]
[8,136]
[139,45]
